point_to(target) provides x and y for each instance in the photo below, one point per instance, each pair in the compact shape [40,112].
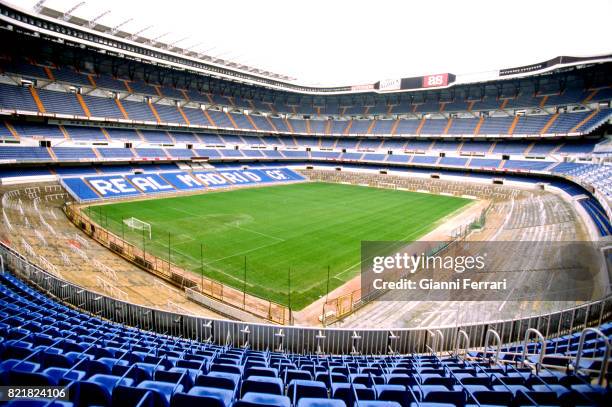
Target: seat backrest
[548,398]
[394,392]
[92,394]
[306,388]
[222,367]
[448,382]
[19,378]
[216,381]
[347,391]
[260,371]
[440,394]
[174,377]
[259,400]
[292,374]
[190,400]
[502,398]
[132,396]
[262,384]
[204,396]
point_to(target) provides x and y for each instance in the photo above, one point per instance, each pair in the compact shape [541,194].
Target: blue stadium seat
[163,391]
[262,384]
[39,403]
[97,390]
[64,375]
[206,396]
[319,402]
[229,381]
[350,392]
[132,396]
[261,400]
[260,371]
[298,389]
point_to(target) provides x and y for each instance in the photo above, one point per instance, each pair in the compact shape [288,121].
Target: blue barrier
[99,187]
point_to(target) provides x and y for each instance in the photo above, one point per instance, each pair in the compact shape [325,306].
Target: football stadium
[180,228]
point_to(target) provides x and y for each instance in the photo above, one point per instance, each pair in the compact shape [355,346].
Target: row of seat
[538,148]
[308,106]
[598,175]
[43,342]
[49,101]
[25,154]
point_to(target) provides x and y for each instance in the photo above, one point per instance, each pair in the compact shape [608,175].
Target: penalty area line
[401,240]
[260,233]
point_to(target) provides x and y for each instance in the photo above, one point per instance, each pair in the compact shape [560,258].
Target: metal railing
[302,339]
[606,356]
[222,295]
[337,308]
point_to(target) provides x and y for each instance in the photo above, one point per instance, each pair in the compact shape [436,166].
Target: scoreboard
[433,81]
[419,82]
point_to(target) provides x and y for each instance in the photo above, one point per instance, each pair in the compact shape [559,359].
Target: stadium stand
[102,107]
[98,187]
[16,97]
[104,363]
[106,127]
[25,153]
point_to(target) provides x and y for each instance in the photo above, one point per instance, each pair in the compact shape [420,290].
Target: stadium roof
[350,42]
[248,74]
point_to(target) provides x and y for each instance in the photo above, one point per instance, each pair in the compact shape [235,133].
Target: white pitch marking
[260,233]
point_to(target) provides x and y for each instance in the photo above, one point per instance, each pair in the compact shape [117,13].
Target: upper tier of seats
[102,363]
[417,103]
[54,102]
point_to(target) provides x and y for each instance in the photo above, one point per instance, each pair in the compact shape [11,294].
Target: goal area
[137,224]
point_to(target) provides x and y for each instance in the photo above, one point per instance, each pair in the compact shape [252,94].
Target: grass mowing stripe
[305,227]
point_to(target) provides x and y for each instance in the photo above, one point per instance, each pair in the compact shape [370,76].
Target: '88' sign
[431,81]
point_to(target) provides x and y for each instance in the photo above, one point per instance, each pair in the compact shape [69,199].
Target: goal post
[137,224]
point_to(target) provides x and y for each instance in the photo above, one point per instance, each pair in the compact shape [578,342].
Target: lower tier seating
[43,342]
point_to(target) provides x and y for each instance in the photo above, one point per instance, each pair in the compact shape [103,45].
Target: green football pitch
[268,231]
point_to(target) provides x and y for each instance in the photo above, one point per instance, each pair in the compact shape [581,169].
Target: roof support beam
[137,33]
[94,22]
[66,16]
[116,28]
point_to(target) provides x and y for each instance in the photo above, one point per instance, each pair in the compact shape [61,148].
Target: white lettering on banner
[144,184]
[208,179]
[158,185]
[390,84]
[252,176]
[149,183]
[235,177]
[103,186]
[276,174]
[121,185]
[187,180]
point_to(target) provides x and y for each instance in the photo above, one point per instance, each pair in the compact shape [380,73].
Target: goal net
[137,224]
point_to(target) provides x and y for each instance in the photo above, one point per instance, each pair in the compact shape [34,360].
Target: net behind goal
[137,224]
